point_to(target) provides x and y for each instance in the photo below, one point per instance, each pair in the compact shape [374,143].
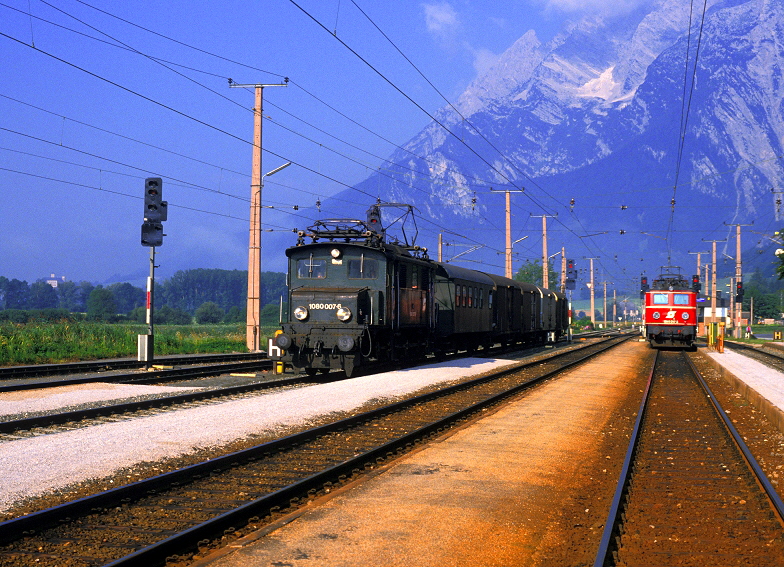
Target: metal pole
[563,269]
[149,347]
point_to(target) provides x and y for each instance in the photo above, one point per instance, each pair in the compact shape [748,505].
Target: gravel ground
[38,401]
[51,463]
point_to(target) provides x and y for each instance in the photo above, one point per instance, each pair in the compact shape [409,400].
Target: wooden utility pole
[253,316]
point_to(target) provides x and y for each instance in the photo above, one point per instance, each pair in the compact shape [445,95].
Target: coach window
[470,297]
[481,298]
[362,269]
[490,299]
[457,296]
[680,298]
[660,299]
[311,269]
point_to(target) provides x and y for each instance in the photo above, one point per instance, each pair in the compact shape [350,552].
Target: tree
[16,294]
[270,314]
[73,296]
[100,304]
[209,313]
[172,316]
[127,297]
[531,272]
[234,315]
[42,296]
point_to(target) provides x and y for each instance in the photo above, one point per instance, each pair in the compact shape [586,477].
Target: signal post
[155,213]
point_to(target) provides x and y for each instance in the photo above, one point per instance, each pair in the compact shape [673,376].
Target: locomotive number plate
[324,306]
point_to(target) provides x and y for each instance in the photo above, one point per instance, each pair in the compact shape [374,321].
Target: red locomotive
[670,311]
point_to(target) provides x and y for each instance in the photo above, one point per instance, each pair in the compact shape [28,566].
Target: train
[670,310]
[358,300]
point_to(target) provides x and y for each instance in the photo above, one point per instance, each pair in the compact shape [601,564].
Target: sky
[96,96]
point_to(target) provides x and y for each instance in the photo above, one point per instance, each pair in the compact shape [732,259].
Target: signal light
[696,286]
[374,218]
[155,212]
[643,286]
[739,291]
[155,209]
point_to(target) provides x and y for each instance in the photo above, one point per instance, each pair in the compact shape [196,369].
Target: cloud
[592,6]
[484,59]
[441,19]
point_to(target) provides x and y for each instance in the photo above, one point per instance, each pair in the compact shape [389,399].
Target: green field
[39,343]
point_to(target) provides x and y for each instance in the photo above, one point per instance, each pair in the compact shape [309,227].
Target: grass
[41,343]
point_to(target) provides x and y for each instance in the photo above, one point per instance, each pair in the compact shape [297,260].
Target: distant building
[54,281]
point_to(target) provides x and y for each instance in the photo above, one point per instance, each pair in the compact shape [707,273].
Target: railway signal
[696,286]
[155,208]
[152,234]
[739,291]
[571,274]
[374,219]
[155,212]
[643,286]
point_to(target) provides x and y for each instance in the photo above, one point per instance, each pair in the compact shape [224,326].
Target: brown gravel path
[527,485]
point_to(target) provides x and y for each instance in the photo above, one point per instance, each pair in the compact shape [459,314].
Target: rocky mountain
[595,116]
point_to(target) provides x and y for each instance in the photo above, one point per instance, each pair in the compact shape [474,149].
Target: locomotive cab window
[362,269]
[680,299]
[660,299]
[311,268]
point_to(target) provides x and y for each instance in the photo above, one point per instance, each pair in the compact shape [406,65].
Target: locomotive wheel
[311,371]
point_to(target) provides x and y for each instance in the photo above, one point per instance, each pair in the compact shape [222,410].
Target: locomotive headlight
[335,253]
[301,313]
[685,316]
[344,313]
[656,315]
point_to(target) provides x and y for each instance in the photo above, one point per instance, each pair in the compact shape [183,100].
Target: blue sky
[97,96]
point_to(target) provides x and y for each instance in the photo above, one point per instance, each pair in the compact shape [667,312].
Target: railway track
[149,377]
[51,422]
[27,371]
[48,423]
[181,511]
[690,492]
